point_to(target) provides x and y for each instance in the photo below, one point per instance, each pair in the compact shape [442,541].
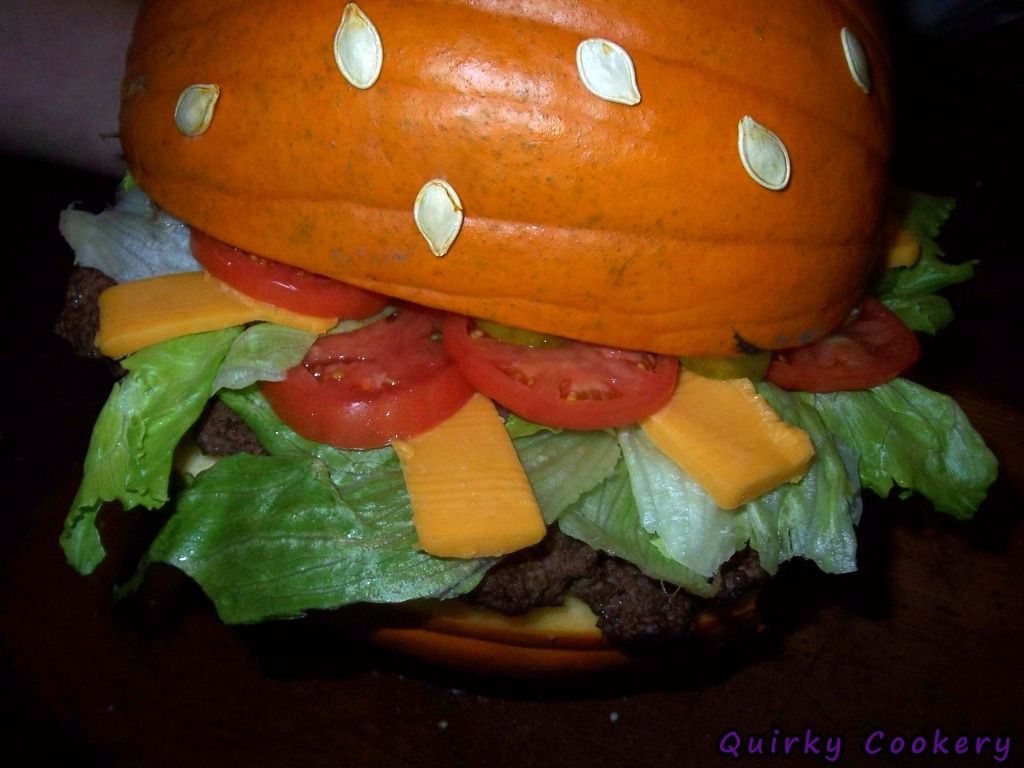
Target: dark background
[928,635]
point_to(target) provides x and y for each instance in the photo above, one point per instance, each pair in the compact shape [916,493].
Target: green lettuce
[910,291]
[132,444]
[309,526]
[263,352]
[689,526]
[280,440]
[133,240]
[607,518]
[815,517]
[275,536]
[564,465]
[910,436]
[925,314]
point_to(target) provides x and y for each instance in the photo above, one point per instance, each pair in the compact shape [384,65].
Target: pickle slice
[521,336]
[751,367]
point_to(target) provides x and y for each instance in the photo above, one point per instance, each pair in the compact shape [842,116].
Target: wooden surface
[927,636]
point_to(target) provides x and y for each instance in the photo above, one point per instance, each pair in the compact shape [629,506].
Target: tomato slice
[575,386]
[390,379]
[875,348]
[281,285]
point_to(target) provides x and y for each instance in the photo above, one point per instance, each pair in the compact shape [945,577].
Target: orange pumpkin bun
[686,178]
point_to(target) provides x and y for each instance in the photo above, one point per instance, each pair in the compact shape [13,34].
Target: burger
[554,328]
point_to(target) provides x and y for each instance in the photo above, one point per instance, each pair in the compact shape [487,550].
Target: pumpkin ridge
[582,31]
[864,24]
[737,83]
[640,234]
[793,105]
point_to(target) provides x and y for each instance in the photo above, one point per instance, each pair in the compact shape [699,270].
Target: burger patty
[79,320]
[222,433]
[631,607]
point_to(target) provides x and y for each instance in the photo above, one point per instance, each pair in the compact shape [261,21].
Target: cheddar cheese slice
[469,492]
[903,250]
[728,439]
[143,312]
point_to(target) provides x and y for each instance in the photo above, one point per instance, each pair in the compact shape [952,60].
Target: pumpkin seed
[438,215]
[607,71]
[856,59]
[357,48]
[194,109]
[763,155]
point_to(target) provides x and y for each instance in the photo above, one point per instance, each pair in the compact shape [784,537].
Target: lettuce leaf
[925,314]
[691,528]
[280,440]
[909,291]
[132,444]
[264,352]
[564,465]
[607,518]
[310,526]
[520,427]
[133,240]
[910,436]
[814,518]
[275,536]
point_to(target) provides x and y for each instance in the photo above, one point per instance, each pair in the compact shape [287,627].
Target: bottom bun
[546,642]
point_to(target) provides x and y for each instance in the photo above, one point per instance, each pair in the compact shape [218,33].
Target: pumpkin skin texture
[633,226]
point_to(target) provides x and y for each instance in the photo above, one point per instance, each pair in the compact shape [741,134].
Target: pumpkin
[690,178]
